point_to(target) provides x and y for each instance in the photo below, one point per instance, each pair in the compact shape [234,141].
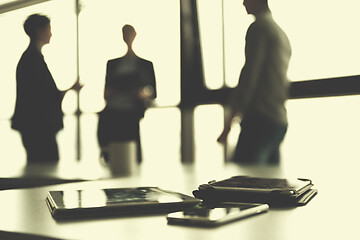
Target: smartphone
[216,215]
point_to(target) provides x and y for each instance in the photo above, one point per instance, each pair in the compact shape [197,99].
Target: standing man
[260,96]
[38,115]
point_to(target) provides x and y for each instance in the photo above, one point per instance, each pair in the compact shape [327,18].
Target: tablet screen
[112,197]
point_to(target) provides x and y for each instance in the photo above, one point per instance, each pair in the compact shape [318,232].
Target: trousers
[119,126]
[40,145]
[259,140]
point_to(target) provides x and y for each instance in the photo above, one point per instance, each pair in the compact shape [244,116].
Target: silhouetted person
[130,85]
[262,90]
[38,115]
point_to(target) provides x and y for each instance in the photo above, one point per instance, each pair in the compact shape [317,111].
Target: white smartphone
[212,216]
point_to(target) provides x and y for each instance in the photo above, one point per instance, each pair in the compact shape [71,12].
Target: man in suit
[38,115]
[260,96]
[129,88]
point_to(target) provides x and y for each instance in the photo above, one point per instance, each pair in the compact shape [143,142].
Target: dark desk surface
[327,216]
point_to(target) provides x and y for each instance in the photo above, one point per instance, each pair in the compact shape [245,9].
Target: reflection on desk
[35,175]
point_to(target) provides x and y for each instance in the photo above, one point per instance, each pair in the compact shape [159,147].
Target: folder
[272,191]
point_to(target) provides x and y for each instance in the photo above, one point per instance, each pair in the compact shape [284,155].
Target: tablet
[116,201]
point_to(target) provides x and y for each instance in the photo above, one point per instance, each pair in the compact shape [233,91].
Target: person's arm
[148,92]
[227,127]
[249,78]
[152,80]
[108,92]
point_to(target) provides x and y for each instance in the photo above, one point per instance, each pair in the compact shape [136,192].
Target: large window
[158,40]
[211,36]
[157,23]
[325,43]
[100,40]
[323,35]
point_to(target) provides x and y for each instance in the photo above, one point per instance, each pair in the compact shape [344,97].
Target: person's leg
[101,131]
[118,126]
[105,132]
[138,143]
[40,146]
[29,145]
[259,141]
[274,157]
[251,149]
[131,132]
[50,147]
[246,149]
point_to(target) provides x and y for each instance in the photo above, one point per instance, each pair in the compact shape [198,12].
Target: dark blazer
[144,76]
[38,102]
